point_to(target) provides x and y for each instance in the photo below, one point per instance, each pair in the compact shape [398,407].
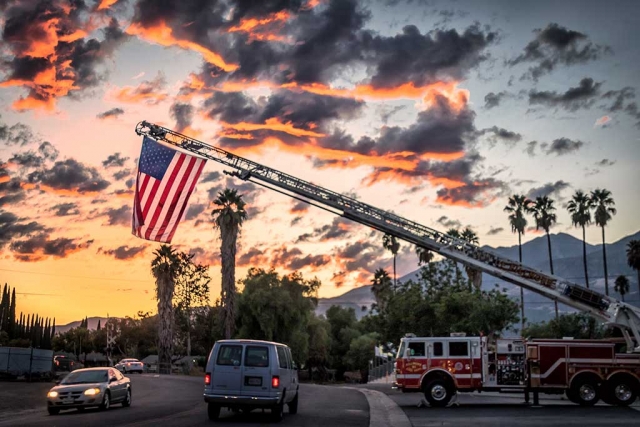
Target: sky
[438,111]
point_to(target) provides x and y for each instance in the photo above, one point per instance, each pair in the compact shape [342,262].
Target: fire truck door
[461,360]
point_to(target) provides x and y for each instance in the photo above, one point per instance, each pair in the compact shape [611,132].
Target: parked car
[89,387]
[246,374]
[130,365]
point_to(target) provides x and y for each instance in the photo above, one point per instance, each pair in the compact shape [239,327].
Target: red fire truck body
[586,370]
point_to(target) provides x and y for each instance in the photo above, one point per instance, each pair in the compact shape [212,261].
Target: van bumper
[225,399]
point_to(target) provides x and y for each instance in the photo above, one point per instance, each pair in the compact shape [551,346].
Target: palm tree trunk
[622,295]
[188,331]
[395,281]
[521,289]
[550,256]
[604,257]
[228,255]
[165,314]
[584,256]
[555,303]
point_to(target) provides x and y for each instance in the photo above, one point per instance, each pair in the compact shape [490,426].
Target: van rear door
[227,374]
[256,379]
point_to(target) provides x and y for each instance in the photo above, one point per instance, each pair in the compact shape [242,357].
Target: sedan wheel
[127,401]
[106,402]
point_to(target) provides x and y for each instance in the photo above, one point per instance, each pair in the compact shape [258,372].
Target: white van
[246,374]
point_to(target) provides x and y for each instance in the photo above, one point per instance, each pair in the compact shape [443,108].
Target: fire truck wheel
[621,391]
[438,393]
[585,390]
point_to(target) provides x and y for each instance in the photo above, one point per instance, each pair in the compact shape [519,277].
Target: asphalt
[495,409]
[177,401]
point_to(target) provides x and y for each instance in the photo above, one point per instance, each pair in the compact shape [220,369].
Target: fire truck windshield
[403,344]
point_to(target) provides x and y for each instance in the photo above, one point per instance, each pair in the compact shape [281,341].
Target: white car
[130,365]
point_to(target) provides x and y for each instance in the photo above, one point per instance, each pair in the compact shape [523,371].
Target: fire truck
[586,370]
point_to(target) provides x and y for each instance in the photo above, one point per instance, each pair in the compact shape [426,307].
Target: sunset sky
[438,111]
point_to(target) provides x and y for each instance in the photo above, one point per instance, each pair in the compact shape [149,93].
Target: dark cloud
[386,112]
[194,210]
[122,174]
[299,206]
[478,193]
[124,252]
[495,230]
[338,229]
[41,246]
[11,190]
[556,45]
[115,161]
[619,98]
[582,96]
[562,146]
[606,162]
[35,159]
[211,177]
[447,222]
[12,227]
[422,59]
[11,199]
[360,255]
[65,209]
[70,175]
[493,99]
[16,134]
[531,148]
[252,258]
[495,134]
[312,261]
[183,115]
[118,216]
[548,189]
[112,113]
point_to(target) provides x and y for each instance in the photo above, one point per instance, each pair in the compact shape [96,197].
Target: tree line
[29,330]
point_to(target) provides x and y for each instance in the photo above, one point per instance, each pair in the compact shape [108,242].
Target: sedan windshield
[85,377]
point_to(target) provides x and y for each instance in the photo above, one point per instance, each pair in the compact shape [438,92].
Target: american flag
[166,178]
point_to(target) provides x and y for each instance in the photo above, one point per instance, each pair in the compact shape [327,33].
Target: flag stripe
[172,198]
[193,178]
[149,195]
[164,189]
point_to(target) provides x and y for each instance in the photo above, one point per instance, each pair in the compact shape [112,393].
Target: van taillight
[275,382]
[207,379]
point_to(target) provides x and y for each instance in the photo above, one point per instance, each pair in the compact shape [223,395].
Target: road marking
[383,411]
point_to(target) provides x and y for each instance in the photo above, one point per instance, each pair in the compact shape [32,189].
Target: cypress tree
[53,329]
[4,308]
[12,315]
[98,327]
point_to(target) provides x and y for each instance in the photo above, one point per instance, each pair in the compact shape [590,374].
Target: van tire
[213,411]
[277,412]
[293,405]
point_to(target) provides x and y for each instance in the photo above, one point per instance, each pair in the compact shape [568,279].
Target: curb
[383,411]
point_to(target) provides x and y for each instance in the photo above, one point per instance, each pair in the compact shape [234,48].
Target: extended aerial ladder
[604,308]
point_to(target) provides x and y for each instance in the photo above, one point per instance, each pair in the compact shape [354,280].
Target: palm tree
[633,257]
[425,256]
[517,206]
[622,286]
[228,217]
[603,203]
[391,244]
[381,288]
[543,213]
[164,268]
[456,235]
[474,275]
[579,207]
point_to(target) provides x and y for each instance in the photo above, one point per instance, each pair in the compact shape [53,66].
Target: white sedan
[130,365]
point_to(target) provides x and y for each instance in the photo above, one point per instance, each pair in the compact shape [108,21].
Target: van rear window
[256,356]
[230,355]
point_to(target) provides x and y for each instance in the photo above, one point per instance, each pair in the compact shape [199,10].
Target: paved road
[494,409]
[177,401]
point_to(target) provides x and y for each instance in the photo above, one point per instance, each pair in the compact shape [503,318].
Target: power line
[74,277]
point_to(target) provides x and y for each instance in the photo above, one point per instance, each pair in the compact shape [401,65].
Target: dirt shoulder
[21,395]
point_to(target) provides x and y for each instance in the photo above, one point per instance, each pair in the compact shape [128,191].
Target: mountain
[92,324]
[567,263]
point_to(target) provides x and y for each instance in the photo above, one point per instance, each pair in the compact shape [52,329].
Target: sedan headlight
[52,394]
[92,392]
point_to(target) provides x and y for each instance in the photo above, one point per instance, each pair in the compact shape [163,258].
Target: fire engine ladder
[604,308]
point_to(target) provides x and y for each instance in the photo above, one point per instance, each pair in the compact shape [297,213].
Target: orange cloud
[272,124]
[163,35]
[130,95]
[4,178]
[106,4]
[264,29]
